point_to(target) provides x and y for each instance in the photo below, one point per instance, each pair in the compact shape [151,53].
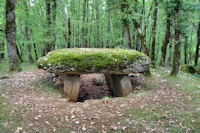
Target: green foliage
[97,82]
[198,69]
[97,30]
[4,67]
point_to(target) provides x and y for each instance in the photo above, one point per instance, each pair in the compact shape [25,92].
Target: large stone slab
[72,87]
[120,85]
[86,60]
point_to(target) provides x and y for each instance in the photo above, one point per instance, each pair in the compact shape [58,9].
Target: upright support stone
[72,87]
[120,85]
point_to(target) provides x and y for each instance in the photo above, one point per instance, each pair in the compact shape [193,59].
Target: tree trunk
[190,52]
[69,34]
[141,36]
[185,49]
[14,64]
[47,47]
[142,20]
[102,37]
[97,22]
[166,41]
[176,60]
[2,49]
[35,50]
[145,26]
[125,11]
[137,42]
[54,8]
[86,40]
[170,53]
[108,29]
[29,47]
[198,45]
[127,35]
[154,32]
[20,51]
[83,25]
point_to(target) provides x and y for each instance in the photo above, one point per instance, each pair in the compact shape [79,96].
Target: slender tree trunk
[69,34]
[176,60]
[27,32]
[166,41]
[2,48]
[190,52]
[102,37]
[14,64]
[97,22]
[125,11]
[87,19]
[72,25]
[83,25]
[185,49]
[35,50]
[145,26]
[47,47]
[141,37]
[142,20]
[127,35]
[29,47]
[64,17]
[54,8]
[91,38]
[77,27]
[170,53]
[20,51]
[154,32]
[198,45]
[109,28]
[137,42]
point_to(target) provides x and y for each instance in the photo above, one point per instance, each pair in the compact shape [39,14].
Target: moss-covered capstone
[197,69]
[86,60]
[188,69]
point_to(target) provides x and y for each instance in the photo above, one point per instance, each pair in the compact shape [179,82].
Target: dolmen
[115,64]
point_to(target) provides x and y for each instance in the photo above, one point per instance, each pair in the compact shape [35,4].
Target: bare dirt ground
[45,111]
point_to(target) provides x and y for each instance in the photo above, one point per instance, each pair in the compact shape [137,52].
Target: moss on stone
[197,69]
[188,69]
[94,60]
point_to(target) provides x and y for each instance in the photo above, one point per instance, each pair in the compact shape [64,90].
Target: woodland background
[166,30]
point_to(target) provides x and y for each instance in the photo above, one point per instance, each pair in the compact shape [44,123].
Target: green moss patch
[197,69]
[188,69]
[94,60]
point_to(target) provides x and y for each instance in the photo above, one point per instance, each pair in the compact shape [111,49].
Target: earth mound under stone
[87,60]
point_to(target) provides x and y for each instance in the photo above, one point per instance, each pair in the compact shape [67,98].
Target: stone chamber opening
[93,86]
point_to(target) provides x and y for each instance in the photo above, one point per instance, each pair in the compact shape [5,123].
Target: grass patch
[4,114]
[46,87]
[9,116]
[4,67]
[177,111]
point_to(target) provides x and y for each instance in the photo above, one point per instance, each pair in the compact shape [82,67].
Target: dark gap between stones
[89,90]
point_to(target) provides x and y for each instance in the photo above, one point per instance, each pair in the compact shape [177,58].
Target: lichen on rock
[88,60]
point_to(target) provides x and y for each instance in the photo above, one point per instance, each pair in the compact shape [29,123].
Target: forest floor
[29,102]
